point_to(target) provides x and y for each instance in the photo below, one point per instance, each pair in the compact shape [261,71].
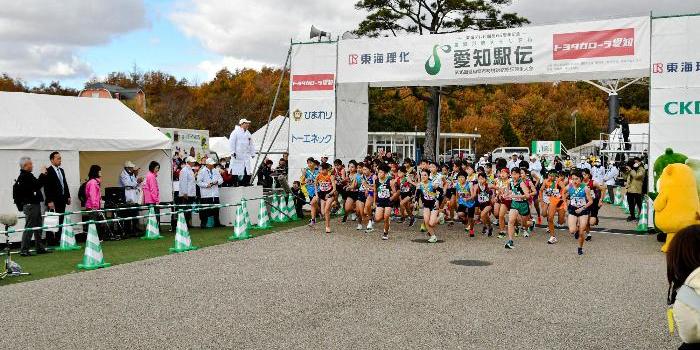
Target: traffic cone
[240,231]
[283,216]
[246,215]
[152,230]
[291,209]
[263,218]
[643,225]
[183,242]
[607,198]
[67,235]
[618,196]
[274,210]
[625,207]
[93,258]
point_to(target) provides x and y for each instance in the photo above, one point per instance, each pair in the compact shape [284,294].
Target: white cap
[210,161]
[584,157]
[129,164]
[324,156]
[243,120]
[190,160]
[533,157]
[514,155]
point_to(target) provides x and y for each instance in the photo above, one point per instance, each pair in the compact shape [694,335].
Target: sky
[75,40]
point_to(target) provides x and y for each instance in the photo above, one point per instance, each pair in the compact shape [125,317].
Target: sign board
[312,124]
[616,48]
[674,111]
[546,147]
[187,143]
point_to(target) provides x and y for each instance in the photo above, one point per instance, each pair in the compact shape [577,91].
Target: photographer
[635,175]
[622,122]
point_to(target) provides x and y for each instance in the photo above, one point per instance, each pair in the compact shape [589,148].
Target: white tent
[220,146]
[86,131]
[280,144]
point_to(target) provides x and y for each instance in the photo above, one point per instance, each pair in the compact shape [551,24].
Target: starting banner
[312,115]
[674,106]
[608,49]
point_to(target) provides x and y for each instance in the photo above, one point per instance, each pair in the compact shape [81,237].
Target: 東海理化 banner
[616,48]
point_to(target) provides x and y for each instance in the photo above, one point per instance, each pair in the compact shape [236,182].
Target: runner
[484,194]
[429,195]
[551,203]
[308,177]
[350,188]
[520,208]
[407,189]
[596,193]
[325,190]
[339,178]
[368,179]
[465,193]
[580,200]
[383,192]
[503,196]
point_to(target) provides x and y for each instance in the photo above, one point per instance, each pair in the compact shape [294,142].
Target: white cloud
[259,31]
[41,39]
[210,68]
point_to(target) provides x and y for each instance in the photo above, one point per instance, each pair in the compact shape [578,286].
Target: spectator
[683,274]
[28,197]
[265,174]
[130,181]
[610,178]
[93,194]
[635,175]
[299,199]
[209,180]
[151,193]
[57,194]
[281,173]
[187,191]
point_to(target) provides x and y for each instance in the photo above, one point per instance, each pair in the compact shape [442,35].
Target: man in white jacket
[609,178]
[187,190]
[242,152]
[209,179]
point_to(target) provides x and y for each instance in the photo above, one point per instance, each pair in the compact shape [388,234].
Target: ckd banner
[617,48]
[311,104]
[674,112]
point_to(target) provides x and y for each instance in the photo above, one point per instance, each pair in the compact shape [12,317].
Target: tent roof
[47,122]
[281,143]
[220,146]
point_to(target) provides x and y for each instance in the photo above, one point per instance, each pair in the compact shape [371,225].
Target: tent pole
[272,110]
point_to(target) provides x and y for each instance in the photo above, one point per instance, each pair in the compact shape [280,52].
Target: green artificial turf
[125,251]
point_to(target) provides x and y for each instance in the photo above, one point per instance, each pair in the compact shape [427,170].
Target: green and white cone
[625,207]
[607,198]
[67,236]
[183,242]
[93,258]
[263,218]
[283,215]
[152,230]
[341,212]
[618,196]
[240,231]
[275,214]
[291,209]
[246,214]
[643,225]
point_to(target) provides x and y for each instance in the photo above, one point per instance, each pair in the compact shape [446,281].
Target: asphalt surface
[305,289]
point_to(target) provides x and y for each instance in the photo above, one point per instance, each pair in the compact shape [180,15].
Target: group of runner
[373,191]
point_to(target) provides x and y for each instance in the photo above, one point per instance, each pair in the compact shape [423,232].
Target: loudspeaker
[315,32]
[115,195]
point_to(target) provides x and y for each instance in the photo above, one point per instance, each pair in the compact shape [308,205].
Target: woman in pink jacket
[93,196]
[151,195]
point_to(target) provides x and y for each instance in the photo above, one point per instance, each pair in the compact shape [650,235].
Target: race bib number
[483,197]
[578,202]
[324,186]
[384,193]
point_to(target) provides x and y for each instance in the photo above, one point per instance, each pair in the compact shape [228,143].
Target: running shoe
[588,236]
[471,232]
[576,236]
[369,230]
[411,221]
[490,232]
[312,222]
[328,230]
[432,239]
[580,251]
[345,218]
[517,232]
[501,235]
[385,236]
[509,245]
[353,217]
[359,227]
[484,230]
[552,240]
[370,224]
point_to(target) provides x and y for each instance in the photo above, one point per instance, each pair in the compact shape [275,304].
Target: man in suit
[56,193]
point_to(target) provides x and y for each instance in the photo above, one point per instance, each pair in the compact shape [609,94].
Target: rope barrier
[193,208]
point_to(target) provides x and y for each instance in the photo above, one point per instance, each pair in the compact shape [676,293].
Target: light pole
[574,114]
[476,130]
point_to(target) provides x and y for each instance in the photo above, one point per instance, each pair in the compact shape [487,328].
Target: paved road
[305,289]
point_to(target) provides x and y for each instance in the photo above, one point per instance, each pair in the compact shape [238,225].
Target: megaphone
[315,32]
